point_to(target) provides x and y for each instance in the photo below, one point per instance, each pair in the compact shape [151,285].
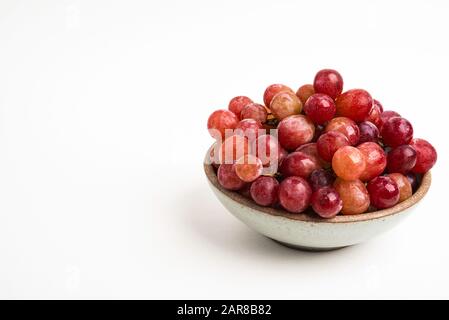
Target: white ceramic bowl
[308,231]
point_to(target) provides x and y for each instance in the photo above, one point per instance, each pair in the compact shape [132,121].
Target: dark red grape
[397,131]
[298,164]
[401,159]
[383,191]
[426,155]
[320,108]
[326,202]
[294,194]
[264,191]
[354,104]
[329,143]
[228,179]
[329,82]
[413,179]
[385,116]
[368,132]
[321,178]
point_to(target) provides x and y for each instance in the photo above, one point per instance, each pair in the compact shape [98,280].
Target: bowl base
[304,248]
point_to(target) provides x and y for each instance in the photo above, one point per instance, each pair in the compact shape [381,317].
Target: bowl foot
[305,248]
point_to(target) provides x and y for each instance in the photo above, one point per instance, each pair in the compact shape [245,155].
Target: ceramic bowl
[306,230]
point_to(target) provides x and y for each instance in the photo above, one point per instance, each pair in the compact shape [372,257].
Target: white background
[103,110]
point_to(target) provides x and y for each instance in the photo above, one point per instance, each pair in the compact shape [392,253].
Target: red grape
[397,131]
[329,82]
[330,142]
[264,191]
[254,111]
[426,155]
[298,164]
[294,131]
[282,154]
[294,194]
[304,92]
[228,179]
[354,104]
[401,159]
[348,163]
[326,202]
[248,168]
[375,159]
[346,126]
[413,179]
[405,188]
[374,114]
[233,148]
[311,150]
[285,104]
[320,108]
[385,116]
[383,191]
[368,132]
[273,90]
[237,104]
[219,121]
[267,149]
[321,178]
[354,195]
[249,128]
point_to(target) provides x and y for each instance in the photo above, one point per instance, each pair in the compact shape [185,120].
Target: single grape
[383,191]
[248,168]
[254,111]
[294,131]
[312,150]
[237,104]
[413,179]
[298,164]
[329,82]
[348,163]
[320,108]
[385,116]
[267,149]
[294,194]
[401,159]
[426,155]
[264,191]
[330,142]
[375,159]
[354,195]
[233,148]
[228,179]
[405,188]
[285,104]
[346,126]
[375,112]
[249,128]
[397,131]
[368,132]
[304,92]
[326,202]
[219,121]
[273,90]
[321,178]
[354,104]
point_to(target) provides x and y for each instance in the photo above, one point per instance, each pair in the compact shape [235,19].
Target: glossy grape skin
[401,159]
[294,194]
[249,128]
[383,191]
[405,188]
[329,142]
[312,150]
[298,164]
[320,108]
[354,195]
[321,178]
[346,126]
[385,116]
[304,92]
[348,163]
[329,82]
[254,111]
[248,168]
[237,104]
[267,149]
[375,159]
[285,104]
[228,179]
[233,148]
[368,132]
[354,104]
[219,121]
[375,112]
[413,179]
[273,90]
[264,191]
[397,131]
[294,131]
[426,155]
[326,202]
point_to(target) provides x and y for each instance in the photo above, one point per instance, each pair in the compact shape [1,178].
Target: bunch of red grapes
[336,152]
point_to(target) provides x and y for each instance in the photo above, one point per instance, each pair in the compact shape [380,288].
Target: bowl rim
[309,216]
